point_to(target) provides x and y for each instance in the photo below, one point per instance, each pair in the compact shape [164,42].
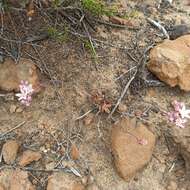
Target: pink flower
[177,105]
[184,112]
[172,116]
[179,115]
[180,122]
[26,91]
[142,141]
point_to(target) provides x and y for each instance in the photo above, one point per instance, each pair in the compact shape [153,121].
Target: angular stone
[9,151]
[19,110]
[74,152]
[12,109]
[11,74]
[28,157]
[170,62]
[132,146]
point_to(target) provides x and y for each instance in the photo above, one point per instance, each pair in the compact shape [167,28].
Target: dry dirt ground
[51,126]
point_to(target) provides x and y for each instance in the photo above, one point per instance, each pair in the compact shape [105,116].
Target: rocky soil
[97,123]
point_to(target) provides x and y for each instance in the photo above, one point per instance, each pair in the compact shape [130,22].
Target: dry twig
[123,94]
[139,65]
[14,128]
[85,114]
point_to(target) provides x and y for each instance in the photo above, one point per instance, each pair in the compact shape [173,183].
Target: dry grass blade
[160,27]
[123,94]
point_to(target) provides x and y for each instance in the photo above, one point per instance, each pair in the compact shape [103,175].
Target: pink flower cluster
[179,115]
[26,91]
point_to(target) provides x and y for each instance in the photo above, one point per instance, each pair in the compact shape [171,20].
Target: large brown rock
[19,181]
[129,155]
[1,187]
[11,74]
[9,151]
[61,181]
[15,180]
[170,62]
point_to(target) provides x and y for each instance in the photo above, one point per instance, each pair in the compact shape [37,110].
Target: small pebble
[74,152]
[122,108]
[12,109]
[88,119]
[84,180]
[172,185]
[19,110]
[91,179]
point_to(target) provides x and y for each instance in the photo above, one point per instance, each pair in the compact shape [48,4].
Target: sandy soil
[51,126]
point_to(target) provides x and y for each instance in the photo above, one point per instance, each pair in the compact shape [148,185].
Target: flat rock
[9,151]
[130,156]
[61,181]
[11,74]
[170,62]
[28,157]
[15,180]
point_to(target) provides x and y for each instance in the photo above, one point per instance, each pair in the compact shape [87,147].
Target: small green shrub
[57,35]
[88,46]
[97,7]
[57,3]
